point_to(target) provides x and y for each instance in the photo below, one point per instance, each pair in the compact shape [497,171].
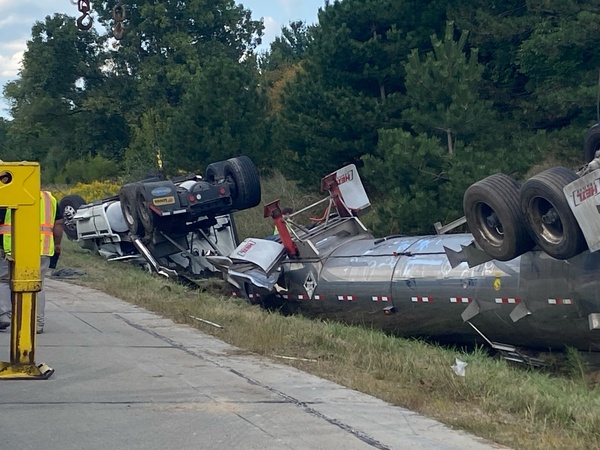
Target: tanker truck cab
[169,225]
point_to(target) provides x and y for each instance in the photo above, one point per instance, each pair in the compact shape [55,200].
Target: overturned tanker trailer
[168,225]
[527,276]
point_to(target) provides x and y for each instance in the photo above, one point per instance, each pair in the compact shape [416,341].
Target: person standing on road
[51,232]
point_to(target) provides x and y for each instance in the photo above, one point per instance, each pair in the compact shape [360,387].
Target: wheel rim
[546,221]
[144,213]
[489,225]
[129,216]
[68,215]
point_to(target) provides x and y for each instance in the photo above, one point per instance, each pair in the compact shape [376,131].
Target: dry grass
[251,223]
[515,407]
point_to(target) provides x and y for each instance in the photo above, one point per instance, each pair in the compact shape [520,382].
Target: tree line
[426,97]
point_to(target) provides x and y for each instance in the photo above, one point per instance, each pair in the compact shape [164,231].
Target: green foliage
[51,122]
[88,169]
[148,142]
[407,175]
[422,181]
[351,83]
[417,183]
[540,59]
[324,129]
[362,43]
[222,114]
[90,192]
[442,92]
[287,49]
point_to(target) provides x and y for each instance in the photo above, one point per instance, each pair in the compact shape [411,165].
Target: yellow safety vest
[47,215]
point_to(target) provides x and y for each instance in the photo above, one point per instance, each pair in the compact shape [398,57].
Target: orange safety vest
[47,215]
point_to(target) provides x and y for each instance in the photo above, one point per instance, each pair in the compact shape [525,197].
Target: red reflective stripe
[5,229]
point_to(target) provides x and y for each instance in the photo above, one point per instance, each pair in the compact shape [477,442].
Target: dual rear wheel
[508,220]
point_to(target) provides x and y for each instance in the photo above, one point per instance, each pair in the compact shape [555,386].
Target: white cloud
[10,65]
[11,56]
[14,20]
[271,26]
[290,5]
[15,45]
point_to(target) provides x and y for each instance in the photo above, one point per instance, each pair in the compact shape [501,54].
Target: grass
[509,405]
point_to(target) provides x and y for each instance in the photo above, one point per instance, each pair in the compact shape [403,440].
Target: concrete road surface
[126,378]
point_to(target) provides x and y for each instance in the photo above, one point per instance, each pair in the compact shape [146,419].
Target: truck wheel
[495,219]
[144,213]
[215,172]
[246,191]
[69,205]
[128,198]
[591,143]
[548,216]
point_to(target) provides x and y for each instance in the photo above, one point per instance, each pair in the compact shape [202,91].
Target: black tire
[549,218]
[246,183]
[591,143]
[495,219]
[145,215]
[128,198]
[215,172]
[69,206]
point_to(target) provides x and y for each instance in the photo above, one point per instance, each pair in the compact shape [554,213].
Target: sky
[18,16]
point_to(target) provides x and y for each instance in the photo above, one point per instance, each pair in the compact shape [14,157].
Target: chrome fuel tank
[407,286]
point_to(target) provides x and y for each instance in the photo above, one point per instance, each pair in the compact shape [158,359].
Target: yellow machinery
[20,191]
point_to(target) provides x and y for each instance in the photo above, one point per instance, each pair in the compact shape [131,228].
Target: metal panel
[583,196]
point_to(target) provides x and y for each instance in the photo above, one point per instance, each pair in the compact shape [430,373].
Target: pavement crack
[255,425]
[289,399]
[79,318]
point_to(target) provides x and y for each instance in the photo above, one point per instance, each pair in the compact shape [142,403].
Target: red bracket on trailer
[274,211]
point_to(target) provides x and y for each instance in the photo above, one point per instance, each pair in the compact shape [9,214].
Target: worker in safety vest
[51,232]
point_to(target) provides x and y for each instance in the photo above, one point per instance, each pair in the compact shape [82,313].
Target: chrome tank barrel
[533,300]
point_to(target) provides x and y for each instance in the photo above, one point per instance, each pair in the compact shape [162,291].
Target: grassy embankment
[512,406]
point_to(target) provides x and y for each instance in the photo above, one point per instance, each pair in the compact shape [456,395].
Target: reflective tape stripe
[5,229]
[508,300]
[422,299]
[380,298]
[47,224]
[460,300]
[560,301]
[346,298]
